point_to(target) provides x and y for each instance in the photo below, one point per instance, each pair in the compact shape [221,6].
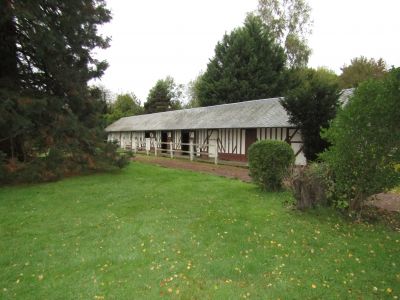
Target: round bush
[269,162]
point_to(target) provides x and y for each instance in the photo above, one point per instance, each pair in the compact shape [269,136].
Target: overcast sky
[155,38]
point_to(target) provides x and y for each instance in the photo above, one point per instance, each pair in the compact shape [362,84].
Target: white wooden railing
[154,147]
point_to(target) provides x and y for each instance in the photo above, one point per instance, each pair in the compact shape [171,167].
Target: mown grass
[149,232]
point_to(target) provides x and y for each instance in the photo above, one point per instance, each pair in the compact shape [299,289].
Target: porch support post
[191,149]
[147,146]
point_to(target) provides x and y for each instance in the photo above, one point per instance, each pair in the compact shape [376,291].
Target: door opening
[164,140]
[251,137]
[185,139]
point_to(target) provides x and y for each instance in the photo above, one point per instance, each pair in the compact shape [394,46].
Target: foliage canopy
[290,23]
[311,105]
[46,64]
[164,96]
[125,105]
[362,69]
[248,65]
[365,138]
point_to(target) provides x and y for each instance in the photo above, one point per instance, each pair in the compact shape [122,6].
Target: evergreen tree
[311,105]
[46,63]
[247,65]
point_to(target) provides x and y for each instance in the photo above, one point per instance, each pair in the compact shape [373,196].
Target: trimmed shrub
[269,163]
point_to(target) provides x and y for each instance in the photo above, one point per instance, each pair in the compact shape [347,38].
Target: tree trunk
[355,204]
[8,48]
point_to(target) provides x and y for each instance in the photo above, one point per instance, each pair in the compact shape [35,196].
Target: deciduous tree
[192,91]
[290,23]
[362,69]
[125,105]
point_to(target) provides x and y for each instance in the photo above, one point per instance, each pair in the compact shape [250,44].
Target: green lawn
[149,232]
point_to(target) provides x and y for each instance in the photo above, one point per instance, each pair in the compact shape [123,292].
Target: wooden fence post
[191,150]
[171,150]
[216,156]
[147,146]
[155,148]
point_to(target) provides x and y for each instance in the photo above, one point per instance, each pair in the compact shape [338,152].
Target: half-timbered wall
[230,142]
[291,135]
[279,134]
[201,138]
[113,137]
[138,139]
[158,138]
[297,146]
[125,139]
[177,139]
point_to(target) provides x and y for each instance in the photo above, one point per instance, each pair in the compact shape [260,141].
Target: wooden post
[155,148]
[136,145]
[216,156]
[147,146]
[171,150]
[191,150]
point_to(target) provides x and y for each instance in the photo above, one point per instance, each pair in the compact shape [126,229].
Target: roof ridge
[204,107]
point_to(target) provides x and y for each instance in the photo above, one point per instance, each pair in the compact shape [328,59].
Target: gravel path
[240,173]
[387,201]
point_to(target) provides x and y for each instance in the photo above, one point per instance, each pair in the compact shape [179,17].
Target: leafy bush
[269,162]
[365,138]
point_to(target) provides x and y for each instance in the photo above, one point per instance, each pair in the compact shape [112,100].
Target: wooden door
[251,137]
